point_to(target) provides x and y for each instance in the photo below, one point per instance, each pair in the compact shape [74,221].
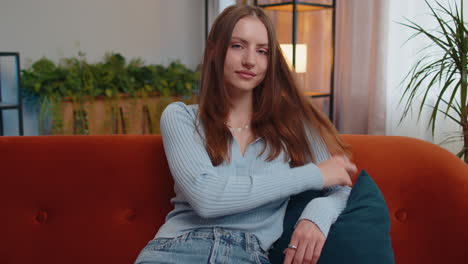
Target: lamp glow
[301,56]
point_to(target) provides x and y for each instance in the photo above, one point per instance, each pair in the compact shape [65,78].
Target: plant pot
[124,115]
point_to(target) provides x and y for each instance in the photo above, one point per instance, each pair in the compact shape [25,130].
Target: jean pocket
[161,242]
[262,258]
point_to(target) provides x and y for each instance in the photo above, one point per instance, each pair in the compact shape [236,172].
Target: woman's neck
[241,111]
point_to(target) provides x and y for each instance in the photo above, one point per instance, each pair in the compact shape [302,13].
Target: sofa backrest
[100,199]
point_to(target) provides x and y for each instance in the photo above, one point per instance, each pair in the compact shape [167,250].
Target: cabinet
[305,30]
[10,88]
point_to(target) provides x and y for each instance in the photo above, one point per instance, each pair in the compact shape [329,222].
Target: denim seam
[168,243]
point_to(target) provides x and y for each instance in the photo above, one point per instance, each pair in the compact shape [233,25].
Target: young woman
[236,157]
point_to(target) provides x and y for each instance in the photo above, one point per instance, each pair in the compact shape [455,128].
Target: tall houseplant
[442,72]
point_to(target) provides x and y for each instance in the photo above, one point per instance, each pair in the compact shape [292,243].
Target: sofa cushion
[360,234]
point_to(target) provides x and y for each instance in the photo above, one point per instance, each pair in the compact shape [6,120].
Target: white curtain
[360,66]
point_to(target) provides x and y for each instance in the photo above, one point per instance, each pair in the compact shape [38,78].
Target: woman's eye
[263,52]
[236,46]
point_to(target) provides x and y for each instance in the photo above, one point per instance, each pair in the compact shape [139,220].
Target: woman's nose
[248,60]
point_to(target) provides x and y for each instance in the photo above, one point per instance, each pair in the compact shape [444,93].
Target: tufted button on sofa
[100,199]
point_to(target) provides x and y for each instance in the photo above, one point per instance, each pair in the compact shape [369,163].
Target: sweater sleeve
[324,211]
[211,194]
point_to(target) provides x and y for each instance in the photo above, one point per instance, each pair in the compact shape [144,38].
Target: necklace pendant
[237,129]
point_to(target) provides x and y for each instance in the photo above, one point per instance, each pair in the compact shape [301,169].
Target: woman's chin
[244,90]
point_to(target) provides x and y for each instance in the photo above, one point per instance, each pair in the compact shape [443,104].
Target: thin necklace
[238,129]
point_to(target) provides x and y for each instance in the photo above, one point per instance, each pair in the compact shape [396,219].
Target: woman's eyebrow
[246,42]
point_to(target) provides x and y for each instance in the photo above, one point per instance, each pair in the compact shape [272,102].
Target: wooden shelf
[300,7]
[316,94]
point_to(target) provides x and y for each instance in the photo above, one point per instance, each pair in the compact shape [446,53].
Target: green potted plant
[129,91]
[444,72]
[43,85]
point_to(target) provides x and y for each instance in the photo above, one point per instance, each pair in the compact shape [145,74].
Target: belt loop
[185,236]
[216,242]
[248,244]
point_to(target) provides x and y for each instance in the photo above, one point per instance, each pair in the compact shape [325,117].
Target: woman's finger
[346,159]
[291,252]
[289,256]
[339,159]
[351,169]
[317,251]
[301,249]
[308,257]
[346,164]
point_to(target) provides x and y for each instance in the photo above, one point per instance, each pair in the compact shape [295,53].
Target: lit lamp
[301,59]
[301,56]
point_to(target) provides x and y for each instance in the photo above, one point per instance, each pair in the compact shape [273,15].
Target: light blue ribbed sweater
[247,193]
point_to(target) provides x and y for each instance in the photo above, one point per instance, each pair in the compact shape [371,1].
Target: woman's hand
[337,171]
[309,241]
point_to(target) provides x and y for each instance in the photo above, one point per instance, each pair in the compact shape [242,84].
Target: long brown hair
[282,116]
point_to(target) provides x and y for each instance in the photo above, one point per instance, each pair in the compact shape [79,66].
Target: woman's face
[247,55]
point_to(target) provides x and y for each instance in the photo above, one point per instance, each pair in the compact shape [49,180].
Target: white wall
[158,31]
[400,59]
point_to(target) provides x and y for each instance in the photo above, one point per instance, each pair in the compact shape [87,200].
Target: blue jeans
[205,245]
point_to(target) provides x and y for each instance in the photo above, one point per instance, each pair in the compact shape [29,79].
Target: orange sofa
[99,199]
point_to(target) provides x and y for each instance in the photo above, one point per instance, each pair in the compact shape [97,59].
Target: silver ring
[292,247]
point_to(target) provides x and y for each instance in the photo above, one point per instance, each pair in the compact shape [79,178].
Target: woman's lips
[246,74]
